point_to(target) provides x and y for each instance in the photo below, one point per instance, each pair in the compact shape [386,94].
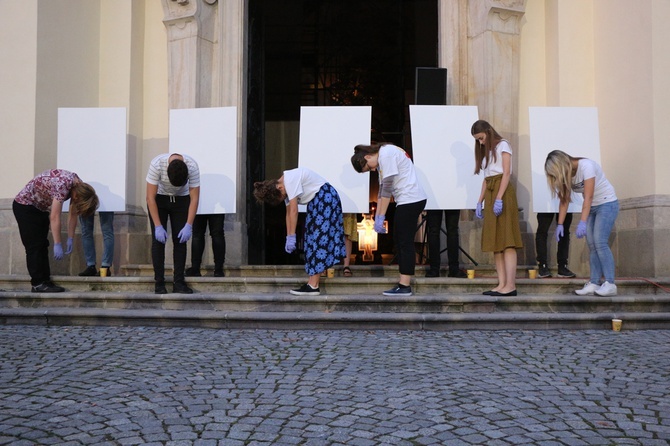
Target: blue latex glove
[185,233]
[289,247]
[68,248]
[581,229]
[497,207]
[379,224]
[559,232]
[58,251]
[161,234]
[478,211]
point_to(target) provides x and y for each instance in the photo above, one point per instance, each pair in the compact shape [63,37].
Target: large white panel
[574,130]
[444,155]
[327,139]
[209,135]
[92,143]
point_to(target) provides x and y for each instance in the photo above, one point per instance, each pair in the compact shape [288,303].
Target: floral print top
[41,190]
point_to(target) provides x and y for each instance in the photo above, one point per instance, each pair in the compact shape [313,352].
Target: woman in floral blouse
[37,207]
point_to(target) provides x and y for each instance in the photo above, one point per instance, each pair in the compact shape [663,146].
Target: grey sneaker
[543,271]
[399,290]
[588,290]
[563,271]
[606,289]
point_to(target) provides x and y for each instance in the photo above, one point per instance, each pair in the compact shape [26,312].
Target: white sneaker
[588,290]
[606,289]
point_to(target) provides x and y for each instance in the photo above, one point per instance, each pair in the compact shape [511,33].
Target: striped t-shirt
[158,175]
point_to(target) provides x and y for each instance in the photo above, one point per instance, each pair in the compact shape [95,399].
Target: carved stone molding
[495,15]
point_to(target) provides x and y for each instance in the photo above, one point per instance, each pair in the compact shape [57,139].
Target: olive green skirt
[503,231]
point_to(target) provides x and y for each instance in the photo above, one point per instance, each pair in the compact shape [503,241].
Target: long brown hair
[485,151]
[84,200]
[358,160]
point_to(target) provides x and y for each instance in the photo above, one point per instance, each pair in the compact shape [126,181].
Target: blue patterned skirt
[324,231]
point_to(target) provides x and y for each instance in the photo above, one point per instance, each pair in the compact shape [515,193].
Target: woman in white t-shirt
[501,233]
[324,230]
[397,179]
[567,174]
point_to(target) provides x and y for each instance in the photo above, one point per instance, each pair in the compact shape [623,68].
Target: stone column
[232,87]
[192,52]
[493,62]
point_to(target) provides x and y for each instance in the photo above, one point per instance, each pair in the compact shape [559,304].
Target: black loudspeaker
[430,86]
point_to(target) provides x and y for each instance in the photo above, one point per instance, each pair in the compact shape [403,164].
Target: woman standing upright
[599,212]
[501,233]
[324,233]
[397,178]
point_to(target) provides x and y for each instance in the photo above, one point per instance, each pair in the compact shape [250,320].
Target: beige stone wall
[611,54]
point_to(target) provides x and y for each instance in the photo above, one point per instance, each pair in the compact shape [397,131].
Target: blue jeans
[87,240]
[598,229]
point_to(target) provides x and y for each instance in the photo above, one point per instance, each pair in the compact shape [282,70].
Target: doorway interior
[326,53]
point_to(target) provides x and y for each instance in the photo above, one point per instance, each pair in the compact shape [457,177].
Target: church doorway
[326,53]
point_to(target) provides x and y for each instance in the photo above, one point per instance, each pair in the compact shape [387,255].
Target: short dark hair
[267,192]
[177,172]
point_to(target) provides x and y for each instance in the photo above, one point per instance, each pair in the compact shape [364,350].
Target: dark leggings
[405,223]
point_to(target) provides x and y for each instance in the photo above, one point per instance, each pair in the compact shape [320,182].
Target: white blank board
[574,130]
[328,136]
[92,143]
[209,136]
[444,155]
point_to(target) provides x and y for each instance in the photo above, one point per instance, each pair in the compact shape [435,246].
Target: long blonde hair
[86,201]
[558,168]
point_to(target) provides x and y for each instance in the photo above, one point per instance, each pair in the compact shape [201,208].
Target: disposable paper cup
[331,272]
[103,272]
[616,324]
[471,274]
[532,274]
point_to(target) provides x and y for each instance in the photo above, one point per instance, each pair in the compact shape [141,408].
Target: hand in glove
[68,248]
[497,207]
[289,247]
[581,229]
[161,234]
[559,232]
[58,251]
[185,233]
[478,211]
[379,224]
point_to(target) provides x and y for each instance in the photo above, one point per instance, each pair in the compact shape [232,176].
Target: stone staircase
[253,297]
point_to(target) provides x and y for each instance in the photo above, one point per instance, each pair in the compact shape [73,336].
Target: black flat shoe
[496,293]
[490,293]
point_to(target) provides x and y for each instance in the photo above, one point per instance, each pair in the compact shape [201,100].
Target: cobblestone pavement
[184,386]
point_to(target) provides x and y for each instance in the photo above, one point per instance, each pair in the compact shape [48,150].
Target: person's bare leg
[509,255]
[314,280]
[500,270]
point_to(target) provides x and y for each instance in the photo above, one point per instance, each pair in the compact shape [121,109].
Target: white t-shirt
[603,191]
[302,183]
[157,175]
[496,168]
[394,161]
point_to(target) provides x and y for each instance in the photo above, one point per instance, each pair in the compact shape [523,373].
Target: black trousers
[434,222]
[218,236]
[176,210]
[544,220]
[405,222]
[34,231]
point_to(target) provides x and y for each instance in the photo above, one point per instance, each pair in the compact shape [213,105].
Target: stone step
[352,303]
[364,320]
[357,285]
[481,270]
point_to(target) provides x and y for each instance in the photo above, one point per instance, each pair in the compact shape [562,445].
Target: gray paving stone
[125,385]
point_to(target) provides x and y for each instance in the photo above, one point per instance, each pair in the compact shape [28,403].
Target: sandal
[346,272]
